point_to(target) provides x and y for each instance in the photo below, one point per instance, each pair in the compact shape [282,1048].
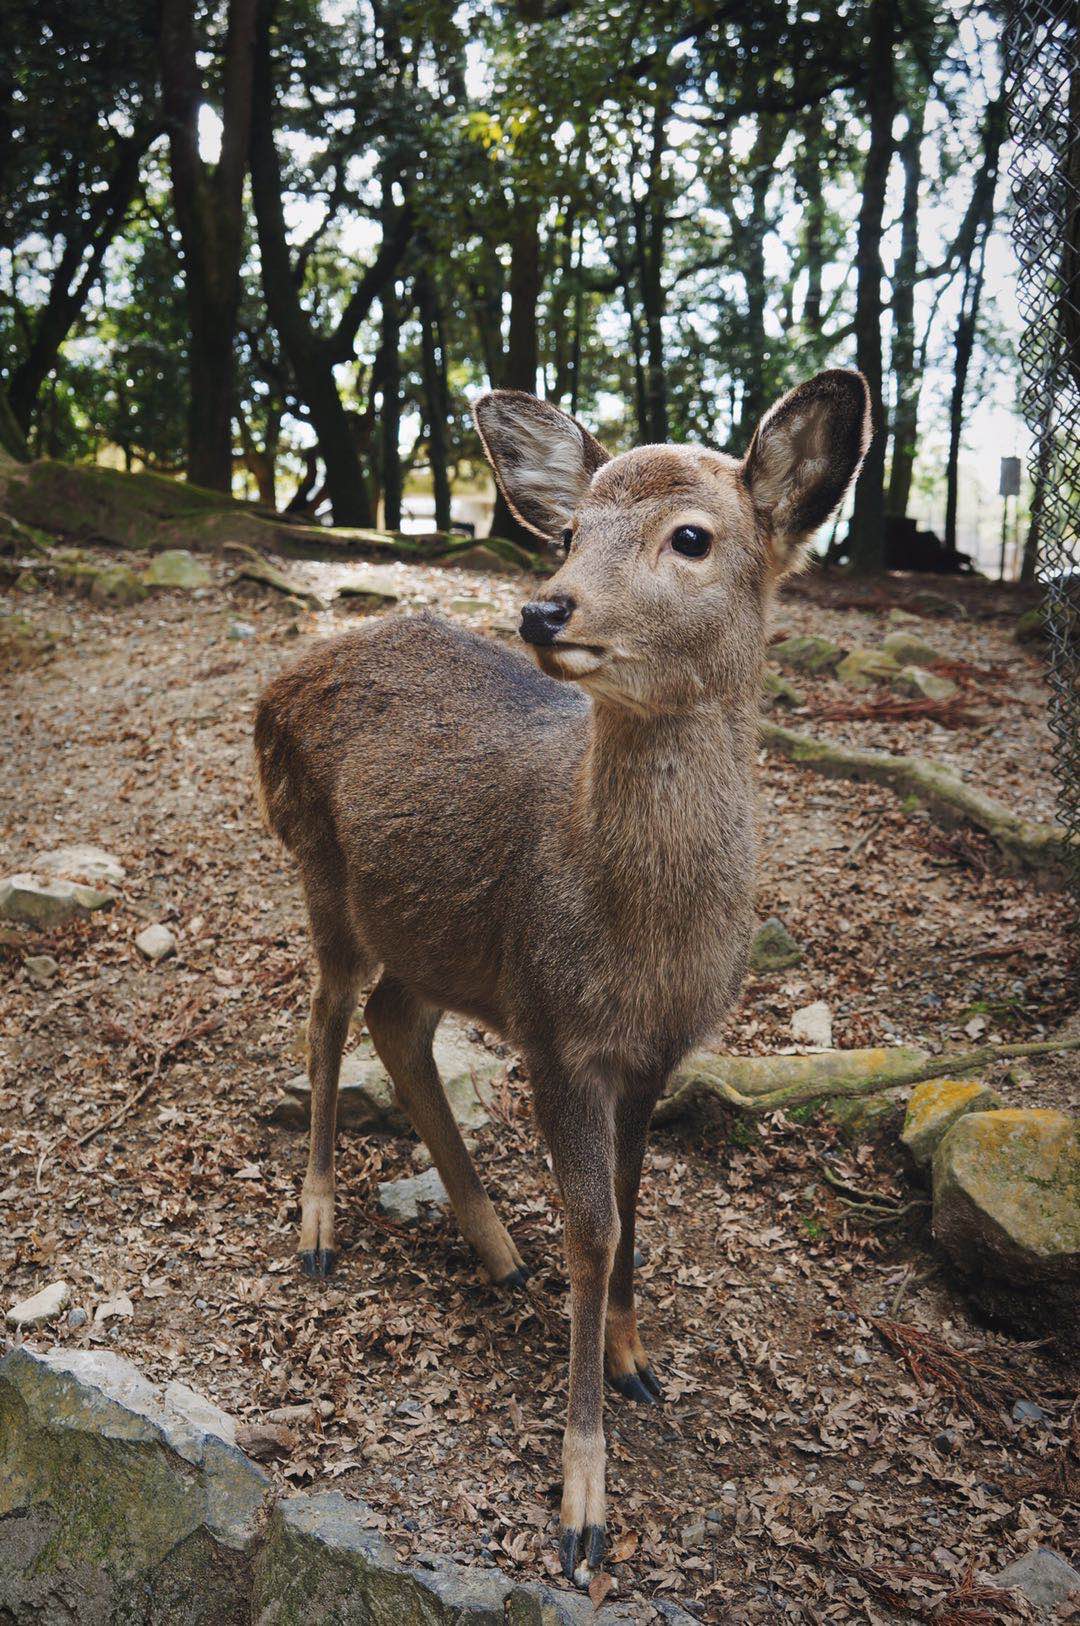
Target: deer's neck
[664,808]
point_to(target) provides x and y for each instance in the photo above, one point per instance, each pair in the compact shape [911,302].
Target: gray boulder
[907,650]
[1044,1578]
[32,900]
[366,1097]
[177,567]
[923,685]
[119,1501]
[93,866]
[418,1197]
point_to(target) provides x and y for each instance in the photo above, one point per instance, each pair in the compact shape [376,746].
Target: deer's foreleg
[579,1131]
[332,1005]
[627,1363]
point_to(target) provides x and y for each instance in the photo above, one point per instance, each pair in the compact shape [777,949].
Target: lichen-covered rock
[907,650]
[1007,1212]
[119,1501]
[366,1097]
[113,584]
[933,1109]
[806,653]
[774,948]
[23,643]
[372,588]
[178,567]
[863,668]
[923,685]
[777,691]
[32,901]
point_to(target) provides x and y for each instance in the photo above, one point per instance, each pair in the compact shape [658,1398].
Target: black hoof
[630,1385]
[581,1553]
[649,1379]
[516,1278]
[318,1263]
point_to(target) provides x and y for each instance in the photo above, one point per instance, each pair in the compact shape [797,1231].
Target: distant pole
[1008,486]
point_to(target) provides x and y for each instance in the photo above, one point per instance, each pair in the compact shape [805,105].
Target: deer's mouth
[563,659]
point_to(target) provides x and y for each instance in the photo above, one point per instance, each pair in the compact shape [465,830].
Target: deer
[561,849]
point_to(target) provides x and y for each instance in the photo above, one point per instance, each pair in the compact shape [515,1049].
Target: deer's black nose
[544,619]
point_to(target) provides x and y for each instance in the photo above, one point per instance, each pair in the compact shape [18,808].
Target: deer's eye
[567,538]
[691,541]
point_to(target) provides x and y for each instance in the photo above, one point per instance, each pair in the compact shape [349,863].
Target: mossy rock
[777,691]
[1032,627]
[861,1118]
[807,653]
[907,650]
[773,948]
[178,567]
[933,1109]
[23,643]
[923,685]
[1007,1212]
[863,668]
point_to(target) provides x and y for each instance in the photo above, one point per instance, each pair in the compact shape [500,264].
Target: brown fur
[573,869]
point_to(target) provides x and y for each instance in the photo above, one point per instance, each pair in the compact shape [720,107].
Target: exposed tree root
[1044,850]
[702,1080]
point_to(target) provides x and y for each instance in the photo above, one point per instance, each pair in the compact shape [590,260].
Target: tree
[209,203]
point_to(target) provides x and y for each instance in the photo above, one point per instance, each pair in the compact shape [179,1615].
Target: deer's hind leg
[342,965]
[402,1028]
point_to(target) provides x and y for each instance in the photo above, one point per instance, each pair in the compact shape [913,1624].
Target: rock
[372,588]
[78,1317]
[240,631]
[933,1109]
[177,567]
[155,942]
[693,1535]
[471,606]
[777,691]
[115,584]
[421,1196]
[1007,1212]
[863,668]
[861,1117]
[119,1499]
[115,1309]
[908,650]
[807,654]
[903,618]
[264,1441]
[44,1306]
[482,557]
[1044,1578]
[931,603]
[812,1024]
[41,969]
[366,1098]
[260,570]
[36,902]
[91,865]
[1026,1411]
[914,680]
[774,948]
[23,643]
[1032,627]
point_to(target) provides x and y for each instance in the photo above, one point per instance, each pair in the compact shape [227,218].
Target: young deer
[569,863]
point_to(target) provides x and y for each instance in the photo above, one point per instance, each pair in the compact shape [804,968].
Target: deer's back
[420,769]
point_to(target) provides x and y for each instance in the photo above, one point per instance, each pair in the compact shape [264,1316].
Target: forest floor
[802,1466]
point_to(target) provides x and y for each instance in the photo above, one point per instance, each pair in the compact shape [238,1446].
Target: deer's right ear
[543,459]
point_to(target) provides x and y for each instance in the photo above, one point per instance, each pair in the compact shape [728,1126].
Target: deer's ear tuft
[542,458]
[805,453]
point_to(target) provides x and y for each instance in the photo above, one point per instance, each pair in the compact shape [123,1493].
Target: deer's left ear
[805,453]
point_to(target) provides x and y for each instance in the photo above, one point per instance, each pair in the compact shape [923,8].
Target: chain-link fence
[1042,66]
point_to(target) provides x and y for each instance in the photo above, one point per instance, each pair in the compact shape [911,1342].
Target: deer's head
[670,551]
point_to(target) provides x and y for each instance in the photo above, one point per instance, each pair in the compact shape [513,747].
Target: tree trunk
[964,344]
[427,305]
[389,368]
[810,185]
[866,534]
[763,155]
[209,205]
[651,224]
[75,276]
[522,357]
[1030,562]
[907,377]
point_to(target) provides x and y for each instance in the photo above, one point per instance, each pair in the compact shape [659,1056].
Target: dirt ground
[807,1464]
